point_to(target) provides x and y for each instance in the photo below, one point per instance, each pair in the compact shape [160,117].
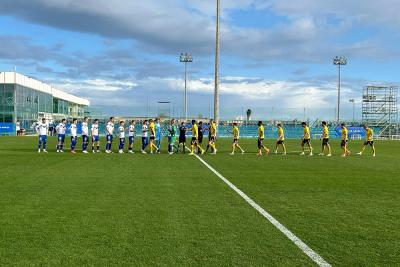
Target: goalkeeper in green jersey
[172,130]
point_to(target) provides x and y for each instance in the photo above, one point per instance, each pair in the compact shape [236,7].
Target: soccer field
[112,209]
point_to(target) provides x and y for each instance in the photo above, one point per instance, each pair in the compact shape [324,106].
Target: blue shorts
[61,138]
[95,138]
[42,138]
[85,138]
[74,138]
[131,140]
[109,138]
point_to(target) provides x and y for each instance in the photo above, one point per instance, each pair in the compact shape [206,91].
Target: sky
[276,55]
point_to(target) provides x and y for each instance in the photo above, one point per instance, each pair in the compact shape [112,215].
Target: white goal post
[317,136]
[356,137]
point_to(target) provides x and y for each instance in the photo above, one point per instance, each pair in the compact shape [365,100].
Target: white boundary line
[297,241]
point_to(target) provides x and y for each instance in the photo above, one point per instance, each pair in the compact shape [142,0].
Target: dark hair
[74,120]
[324,123]
[235,123]
[259,123]
[145,121]
[343,124]
[193,121]
[121,122]
[304,123]
[85,118]
[43,119]
[200,122]
[63,120]
[279,125]
[132,121]
[111,118]
[96,120]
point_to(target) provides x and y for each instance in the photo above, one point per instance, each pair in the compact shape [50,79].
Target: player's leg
[132,142]
[72,144]
[259,145]
[192,146]
[238,146]
[362,149]
[373,150]
[62,143]
[107,143]
[45,144]
[329,150]
[169,144]
[58,143]
[302,147]
[343,147]
[323,149]
[39,144]
[310,147]
[201,149]
[121,145]
[93,144]
[347,149]
[284,148]
[265,148]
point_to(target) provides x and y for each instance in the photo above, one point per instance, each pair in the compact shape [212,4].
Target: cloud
[309,33]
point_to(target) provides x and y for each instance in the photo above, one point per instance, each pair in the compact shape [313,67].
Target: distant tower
[379,109]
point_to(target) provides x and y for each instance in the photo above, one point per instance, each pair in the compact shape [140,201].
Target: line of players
[151,137]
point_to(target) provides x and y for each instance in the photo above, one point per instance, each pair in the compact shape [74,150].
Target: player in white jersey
[85,135]
[132,133]
[95,136]
[61,129]
[145,136]
[158,134]
[109,134]
[74,135]
[121,130]
[42,128]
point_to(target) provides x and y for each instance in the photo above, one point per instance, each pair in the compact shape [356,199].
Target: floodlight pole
[185,58]
[353,101]
[339,61]
[216,81]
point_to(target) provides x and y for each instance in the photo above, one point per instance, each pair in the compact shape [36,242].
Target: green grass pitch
[170,210]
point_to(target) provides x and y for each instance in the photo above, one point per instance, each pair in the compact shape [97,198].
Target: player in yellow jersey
[345,139]
[306,140]
[261,136]
[236,136]
[152,128]
[195,139]
[212,136]
[369,140]
[325,140]
[281,139]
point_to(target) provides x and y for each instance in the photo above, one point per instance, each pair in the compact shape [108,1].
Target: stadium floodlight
[216,81]
[354,102]
[339,61]
[185,58]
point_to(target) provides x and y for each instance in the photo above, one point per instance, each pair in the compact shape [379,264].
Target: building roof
[13,77]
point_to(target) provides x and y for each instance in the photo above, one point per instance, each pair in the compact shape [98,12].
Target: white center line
[297,241]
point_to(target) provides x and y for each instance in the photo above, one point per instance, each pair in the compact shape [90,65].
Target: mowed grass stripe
[292,237]
[63,209]
[344,208]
